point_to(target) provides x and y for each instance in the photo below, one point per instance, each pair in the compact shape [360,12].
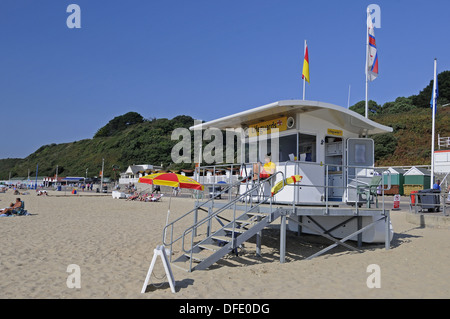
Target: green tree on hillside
[401,104]
[407,104]
[424,97]
[119,123]
[360,107]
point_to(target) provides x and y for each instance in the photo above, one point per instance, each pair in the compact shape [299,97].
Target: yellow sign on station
[335,132]
[266,127]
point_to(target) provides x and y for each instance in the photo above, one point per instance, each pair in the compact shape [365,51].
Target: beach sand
[112,242]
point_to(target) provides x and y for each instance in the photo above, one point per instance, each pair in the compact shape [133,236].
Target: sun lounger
[157,198]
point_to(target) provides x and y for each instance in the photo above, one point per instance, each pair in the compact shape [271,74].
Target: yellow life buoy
[290,180]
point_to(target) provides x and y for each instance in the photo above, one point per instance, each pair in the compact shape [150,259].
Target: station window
[307,148]
[288,148]
[306,151]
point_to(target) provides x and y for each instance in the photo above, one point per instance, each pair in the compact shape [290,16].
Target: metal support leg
[258,244]
[258,241]
[299,226]
[283,239]
[387,238]
[359,221]
[194,231]
[208,227]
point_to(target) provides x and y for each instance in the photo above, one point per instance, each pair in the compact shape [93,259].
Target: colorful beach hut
[397,181]
[416,178]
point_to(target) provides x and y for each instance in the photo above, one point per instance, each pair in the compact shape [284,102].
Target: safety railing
[354,178]
[246,197]
[234,173]
[430,200]
[232,204]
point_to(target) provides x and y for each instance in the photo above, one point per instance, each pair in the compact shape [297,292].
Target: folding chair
[370,190]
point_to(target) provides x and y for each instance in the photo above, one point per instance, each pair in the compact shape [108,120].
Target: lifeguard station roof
[336,115]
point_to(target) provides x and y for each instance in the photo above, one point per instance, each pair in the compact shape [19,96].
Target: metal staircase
[249,219]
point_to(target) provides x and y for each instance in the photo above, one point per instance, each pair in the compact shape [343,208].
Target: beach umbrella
[172,180]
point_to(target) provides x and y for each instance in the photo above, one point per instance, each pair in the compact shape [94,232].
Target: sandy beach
[112,242]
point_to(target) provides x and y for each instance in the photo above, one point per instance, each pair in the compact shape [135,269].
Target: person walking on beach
[156,190]
[437,185]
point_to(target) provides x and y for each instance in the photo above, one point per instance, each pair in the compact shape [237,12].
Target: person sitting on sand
[133,197]
[12,208]
[4,210]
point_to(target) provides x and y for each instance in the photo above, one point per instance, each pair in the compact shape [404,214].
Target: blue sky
[203,58]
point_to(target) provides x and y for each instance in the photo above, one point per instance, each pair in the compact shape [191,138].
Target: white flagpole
[303,88]
[367,65]
[304,52]
[348,99]
[433,125]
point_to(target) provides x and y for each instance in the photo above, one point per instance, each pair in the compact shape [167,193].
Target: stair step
[181,264]
[200,256]
[257,214]
[245,221]
[222,238]
[210,247]
[236,230]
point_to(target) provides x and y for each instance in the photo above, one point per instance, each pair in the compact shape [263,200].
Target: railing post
[283,238]
[258,239]
[208,227]
[327,189]
[388,230]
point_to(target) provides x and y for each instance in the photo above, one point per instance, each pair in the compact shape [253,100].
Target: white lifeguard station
[329,146]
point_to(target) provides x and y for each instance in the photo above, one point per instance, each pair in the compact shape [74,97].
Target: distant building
[24,182]
[52,181]
[133,172]
[442,156]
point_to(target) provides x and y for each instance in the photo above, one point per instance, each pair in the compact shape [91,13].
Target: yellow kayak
[290,180]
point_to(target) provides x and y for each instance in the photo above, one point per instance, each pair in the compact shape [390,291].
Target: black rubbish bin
[214,191]
[429,199]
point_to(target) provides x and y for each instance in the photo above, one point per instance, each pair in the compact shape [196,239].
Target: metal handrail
[171,225]
[192,228]
[251,187]
[344,170]
[211,200]
[442,201]
[228,205]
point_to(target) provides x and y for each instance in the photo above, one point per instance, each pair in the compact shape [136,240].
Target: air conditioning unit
[290,122]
